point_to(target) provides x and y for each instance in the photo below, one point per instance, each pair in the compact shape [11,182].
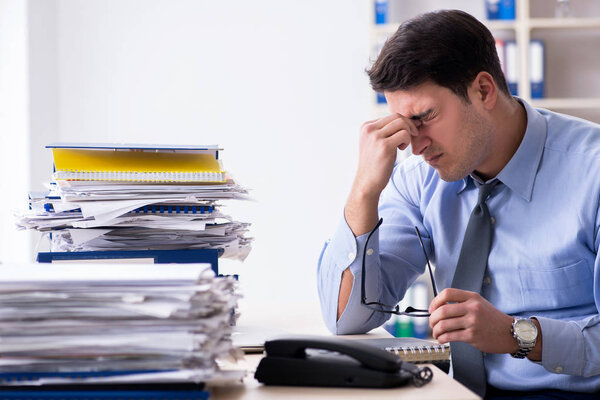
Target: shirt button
[487,280]
[351,256]
[493,220]
[369,252]
[558,369]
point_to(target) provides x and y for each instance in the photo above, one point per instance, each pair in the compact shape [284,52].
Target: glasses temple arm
[435,293]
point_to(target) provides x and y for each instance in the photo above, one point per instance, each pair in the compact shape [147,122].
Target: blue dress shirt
[543,261]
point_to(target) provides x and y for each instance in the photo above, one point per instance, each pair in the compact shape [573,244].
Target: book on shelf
[511,65]
[537,69]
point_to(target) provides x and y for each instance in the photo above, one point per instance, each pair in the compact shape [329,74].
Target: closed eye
[419,122]
[423,117]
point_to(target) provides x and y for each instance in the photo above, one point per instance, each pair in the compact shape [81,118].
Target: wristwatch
[526,333]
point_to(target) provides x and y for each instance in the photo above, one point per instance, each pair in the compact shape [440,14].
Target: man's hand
[462,316]
[379,141]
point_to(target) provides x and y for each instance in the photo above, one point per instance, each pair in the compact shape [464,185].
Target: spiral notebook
[136,163]
[415,350]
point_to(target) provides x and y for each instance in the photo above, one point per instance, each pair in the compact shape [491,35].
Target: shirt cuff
[346,251]
[343,246]
[563,349]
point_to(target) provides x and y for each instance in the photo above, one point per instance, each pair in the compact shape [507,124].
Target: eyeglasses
[380,307]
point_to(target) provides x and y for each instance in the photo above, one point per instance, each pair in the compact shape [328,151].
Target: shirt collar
[520,172]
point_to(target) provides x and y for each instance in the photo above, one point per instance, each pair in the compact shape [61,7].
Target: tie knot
[485,190]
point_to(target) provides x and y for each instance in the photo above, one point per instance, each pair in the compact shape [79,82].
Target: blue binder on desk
[97,391]
[184,256]
[105,394]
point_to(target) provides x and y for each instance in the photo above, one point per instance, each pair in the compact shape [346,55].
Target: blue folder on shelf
[183,256]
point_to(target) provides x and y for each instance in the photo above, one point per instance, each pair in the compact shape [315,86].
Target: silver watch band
[522,353]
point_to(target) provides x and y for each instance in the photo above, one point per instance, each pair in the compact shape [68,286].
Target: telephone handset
[324,361]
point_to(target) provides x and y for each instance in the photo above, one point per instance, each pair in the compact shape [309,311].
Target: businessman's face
[454,138]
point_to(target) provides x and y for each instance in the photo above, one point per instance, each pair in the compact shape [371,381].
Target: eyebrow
[422,115]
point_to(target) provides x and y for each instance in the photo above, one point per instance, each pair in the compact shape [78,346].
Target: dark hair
[448,47]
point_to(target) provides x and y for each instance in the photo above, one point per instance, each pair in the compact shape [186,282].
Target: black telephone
[325,361]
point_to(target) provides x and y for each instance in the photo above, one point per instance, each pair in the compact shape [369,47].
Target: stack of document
[137,197]
[71,323]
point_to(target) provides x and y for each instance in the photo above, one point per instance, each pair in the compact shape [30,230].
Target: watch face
[526,330]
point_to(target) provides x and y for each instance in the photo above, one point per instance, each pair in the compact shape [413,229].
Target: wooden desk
[308,322]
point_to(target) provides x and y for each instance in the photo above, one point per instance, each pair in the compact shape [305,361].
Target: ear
[484,90]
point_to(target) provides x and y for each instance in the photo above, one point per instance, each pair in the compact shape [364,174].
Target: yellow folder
[137,163]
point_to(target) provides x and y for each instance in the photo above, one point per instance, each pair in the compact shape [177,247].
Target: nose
[419,144]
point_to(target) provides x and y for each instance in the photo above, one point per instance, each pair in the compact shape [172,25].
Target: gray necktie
[467,361]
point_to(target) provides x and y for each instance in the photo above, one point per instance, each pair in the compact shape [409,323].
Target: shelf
[522,30]
[550,103]
[564,23]
[493,25]
[567,103]
[500,25]
[533,23]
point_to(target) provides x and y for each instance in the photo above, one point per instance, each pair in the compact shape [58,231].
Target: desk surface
[441,387]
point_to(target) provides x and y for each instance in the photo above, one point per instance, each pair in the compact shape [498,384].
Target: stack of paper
[73,323]
[137,197]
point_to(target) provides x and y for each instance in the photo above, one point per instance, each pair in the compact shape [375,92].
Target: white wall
[14,128]
[279,84]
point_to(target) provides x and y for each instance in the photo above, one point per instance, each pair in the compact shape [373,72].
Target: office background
[280,85]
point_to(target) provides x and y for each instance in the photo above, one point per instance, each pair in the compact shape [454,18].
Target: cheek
[445,133]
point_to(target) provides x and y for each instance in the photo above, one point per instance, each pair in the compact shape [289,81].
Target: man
[538,291]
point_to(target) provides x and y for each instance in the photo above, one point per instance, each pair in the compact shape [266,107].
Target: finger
[447,325]
[400,139]
[449,295]
[381,122]
[376,124]
[393,122]
[397,125]
[447,311]
[457,335]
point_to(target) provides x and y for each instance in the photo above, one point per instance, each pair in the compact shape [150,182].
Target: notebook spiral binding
[421,354]
[140,176]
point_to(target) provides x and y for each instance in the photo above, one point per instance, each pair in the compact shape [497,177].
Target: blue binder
[105,394]
[113,391]
[184,256]
[512,66]
[537,71]
[381,11]
[506,10]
